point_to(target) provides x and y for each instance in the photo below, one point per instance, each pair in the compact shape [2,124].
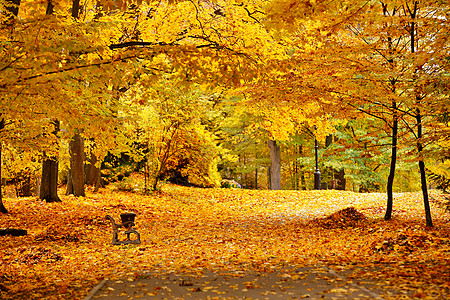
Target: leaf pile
[187,230]
[347,217]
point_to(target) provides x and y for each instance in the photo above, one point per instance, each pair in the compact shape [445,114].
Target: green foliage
[228,184]
[118,173]
[133,183]
[245,156]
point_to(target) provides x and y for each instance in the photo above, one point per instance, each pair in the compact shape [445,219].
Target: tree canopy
[147,79]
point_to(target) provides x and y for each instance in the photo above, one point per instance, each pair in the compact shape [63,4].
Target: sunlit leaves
[170,133]
[67,249]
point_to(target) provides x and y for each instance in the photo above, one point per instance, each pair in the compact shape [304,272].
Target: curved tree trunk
[423,177]
[75,182]
[275,166]
[390,182]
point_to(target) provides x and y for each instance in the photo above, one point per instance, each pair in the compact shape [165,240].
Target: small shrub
[227,184]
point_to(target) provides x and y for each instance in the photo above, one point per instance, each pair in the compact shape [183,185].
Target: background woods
[164,84]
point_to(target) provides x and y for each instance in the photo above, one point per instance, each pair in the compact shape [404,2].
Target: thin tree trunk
[241,177]
[2,207]
[423,178]
[303,180]
[256,172]
[146,175]
[390,182]
[75,184]
[275,166]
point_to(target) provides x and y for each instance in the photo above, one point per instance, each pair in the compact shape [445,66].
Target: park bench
[128,223]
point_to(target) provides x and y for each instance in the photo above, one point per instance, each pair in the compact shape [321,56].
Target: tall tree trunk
[275,166]
[390,182]
[155,184]
[423,178]
[256,175]
[395,117]
[49,180]
[75,182]
[2,207]
[75,8]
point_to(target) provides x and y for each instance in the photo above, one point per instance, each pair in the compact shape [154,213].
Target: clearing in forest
[187,230]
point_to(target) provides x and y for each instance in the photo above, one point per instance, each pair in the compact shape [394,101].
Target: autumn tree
[363,53]
[75,181]
[170,134]
[11,9]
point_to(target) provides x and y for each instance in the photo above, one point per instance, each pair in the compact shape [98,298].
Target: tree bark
[275,166]
[423,178]
[390,182]
[75,9]
[2,207]
[256,178]
[75,182]
[49,180]
[12,6]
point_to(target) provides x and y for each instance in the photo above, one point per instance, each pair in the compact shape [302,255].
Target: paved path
[304,283]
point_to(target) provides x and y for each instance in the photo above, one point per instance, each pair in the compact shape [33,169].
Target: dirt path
[304,283]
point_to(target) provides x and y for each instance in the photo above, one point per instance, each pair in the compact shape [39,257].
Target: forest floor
[260,243]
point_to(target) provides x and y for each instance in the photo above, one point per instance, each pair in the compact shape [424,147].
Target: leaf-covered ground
[67,250]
